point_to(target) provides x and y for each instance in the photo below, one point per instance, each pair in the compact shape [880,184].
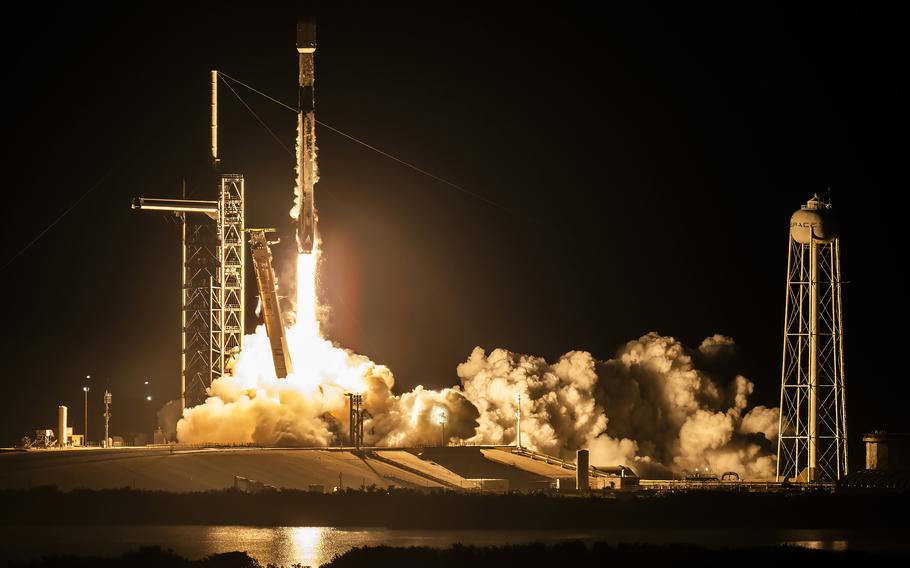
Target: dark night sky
[647,160]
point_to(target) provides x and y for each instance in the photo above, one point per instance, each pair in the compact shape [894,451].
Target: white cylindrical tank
[61,426]
[581,470]
[814,221]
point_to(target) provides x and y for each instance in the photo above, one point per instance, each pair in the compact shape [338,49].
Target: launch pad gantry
[213,275]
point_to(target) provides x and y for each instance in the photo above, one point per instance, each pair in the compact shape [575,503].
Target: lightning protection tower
[812,446]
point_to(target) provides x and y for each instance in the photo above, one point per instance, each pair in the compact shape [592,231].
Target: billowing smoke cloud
[309,407]
[413,419]
[649,407]
[559,412]
[168,415]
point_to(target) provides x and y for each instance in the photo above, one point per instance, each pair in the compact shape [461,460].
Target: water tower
[812,446]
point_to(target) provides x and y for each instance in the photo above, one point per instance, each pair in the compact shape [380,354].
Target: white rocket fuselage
[307,175]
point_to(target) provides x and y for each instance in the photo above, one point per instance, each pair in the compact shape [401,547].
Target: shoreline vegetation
[528,555]
[406,509]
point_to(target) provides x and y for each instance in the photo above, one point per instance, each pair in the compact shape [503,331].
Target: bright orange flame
[253,404]
[315,360]
[306,294]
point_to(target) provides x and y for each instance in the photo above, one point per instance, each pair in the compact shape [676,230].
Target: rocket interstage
[307,175]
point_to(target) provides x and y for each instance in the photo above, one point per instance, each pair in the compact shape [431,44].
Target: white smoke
[649,407]
[412,419]
[559,413]
[309,407]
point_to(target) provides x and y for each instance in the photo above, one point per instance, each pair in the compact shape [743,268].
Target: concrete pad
[428,468]
[183,470]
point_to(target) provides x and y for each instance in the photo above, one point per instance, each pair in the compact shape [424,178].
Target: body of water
[312,546]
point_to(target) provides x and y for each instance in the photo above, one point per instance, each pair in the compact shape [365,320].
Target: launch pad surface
[185,468]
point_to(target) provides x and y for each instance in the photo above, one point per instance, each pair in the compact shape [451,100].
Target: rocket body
[307,174]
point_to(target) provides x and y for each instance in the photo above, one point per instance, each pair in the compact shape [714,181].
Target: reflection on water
[836,545]
[313,546]
[278,545]
[309,542]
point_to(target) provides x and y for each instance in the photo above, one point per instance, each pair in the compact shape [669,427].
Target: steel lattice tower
[226,288]
[355,420]
[812,446]
[200,270]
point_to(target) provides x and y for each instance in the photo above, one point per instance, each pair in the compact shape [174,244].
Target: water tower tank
[815,220]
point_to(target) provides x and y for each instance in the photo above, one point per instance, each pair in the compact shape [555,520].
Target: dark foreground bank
[412,509]
[526,555]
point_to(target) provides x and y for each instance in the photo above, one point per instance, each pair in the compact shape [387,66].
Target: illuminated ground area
[200,469]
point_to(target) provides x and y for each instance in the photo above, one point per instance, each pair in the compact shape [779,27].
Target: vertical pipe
[221,275]
[802,395]
[215,118]
[85,416]
[800,440]
[212,310]
[813,359]
[183,269]
[832,365]
[840,386]
[242,251]
[518,424]
[783,365]
[107,419]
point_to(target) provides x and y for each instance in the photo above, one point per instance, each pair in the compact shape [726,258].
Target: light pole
[85,414]
[148,399]
[107,418]
[518,419]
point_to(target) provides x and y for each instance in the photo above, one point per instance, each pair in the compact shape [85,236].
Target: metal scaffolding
[812,446]
[200,271]
[355,418]
[212,290]
[226,289]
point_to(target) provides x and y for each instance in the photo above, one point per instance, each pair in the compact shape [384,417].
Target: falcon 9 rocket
[307,174]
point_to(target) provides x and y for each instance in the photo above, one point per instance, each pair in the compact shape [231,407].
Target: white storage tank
[61,426]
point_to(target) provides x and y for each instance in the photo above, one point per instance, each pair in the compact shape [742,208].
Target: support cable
[413,167]
[57,220]
[354,139]
[256,116]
